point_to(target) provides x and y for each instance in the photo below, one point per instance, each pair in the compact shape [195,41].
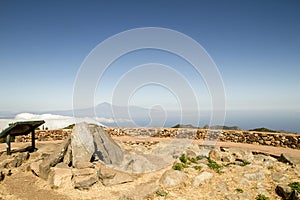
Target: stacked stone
[238,136]
[46,135]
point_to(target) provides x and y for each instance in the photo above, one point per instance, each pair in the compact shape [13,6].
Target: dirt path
[26,186]
[277,151]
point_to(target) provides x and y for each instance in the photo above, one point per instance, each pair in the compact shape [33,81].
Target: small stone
[172,178]
[191,154]
[34,167]
[254,176]
[215,154]
[278,177]
[201,178]
[222,187]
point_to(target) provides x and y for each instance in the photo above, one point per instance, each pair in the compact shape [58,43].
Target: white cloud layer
[56,121]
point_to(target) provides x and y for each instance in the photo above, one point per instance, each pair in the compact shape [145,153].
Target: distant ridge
[184,126]
[263,129]
[216,127]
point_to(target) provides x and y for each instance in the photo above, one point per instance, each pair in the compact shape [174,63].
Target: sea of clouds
[55,121]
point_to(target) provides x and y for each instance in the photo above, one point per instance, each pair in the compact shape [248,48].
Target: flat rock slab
[109,176]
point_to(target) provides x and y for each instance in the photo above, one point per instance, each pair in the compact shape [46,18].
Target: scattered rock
[84,182]
[222,187]
[60,177]
[109,176]
[216,154]
[201,178]
[68,156]
[15,161]
[53,159]
[34,167]
[172,178]
[278,177]
[191,153]
[241,154]
[244,195]
[255,176]
[290,159]
[283,190]
[144,163]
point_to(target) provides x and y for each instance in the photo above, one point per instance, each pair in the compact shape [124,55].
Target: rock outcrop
[91,140]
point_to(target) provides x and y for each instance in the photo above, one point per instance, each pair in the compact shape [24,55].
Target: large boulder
[91,140]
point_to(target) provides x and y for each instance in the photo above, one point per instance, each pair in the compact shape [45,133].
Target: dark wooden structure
[20,128]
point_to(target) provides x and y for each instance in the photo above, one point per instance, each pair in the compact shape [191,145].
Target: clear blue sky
[255,44]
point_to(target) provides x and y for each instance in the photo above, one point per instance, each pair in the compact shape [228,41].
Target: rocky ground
[196,172]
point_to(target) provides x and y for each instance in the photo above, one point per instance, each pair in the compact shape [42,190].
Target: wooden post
[8,144]
[33,139]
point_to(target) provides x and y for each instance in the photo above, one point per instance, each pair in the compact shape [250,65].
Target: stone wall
[262,138]
[46,135]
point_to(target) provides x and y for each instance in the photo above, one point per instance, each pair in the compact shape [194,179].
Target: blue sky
[255,45]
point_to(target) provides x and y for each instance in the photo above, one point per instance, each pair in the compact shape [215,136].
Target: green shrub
[197,167]
[215,166]
[161,193]
[179,166]
[193,160]
[295,186]
[262,197]
[183,158]
[244,163]
[239,190]
[200,157]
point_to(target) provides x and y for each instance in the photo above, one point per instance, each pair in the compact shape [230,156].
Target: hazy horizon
[246,119]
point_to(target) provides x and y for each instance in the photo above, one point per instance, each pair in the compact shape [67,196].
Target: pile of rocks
[90,155]
[90,160]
